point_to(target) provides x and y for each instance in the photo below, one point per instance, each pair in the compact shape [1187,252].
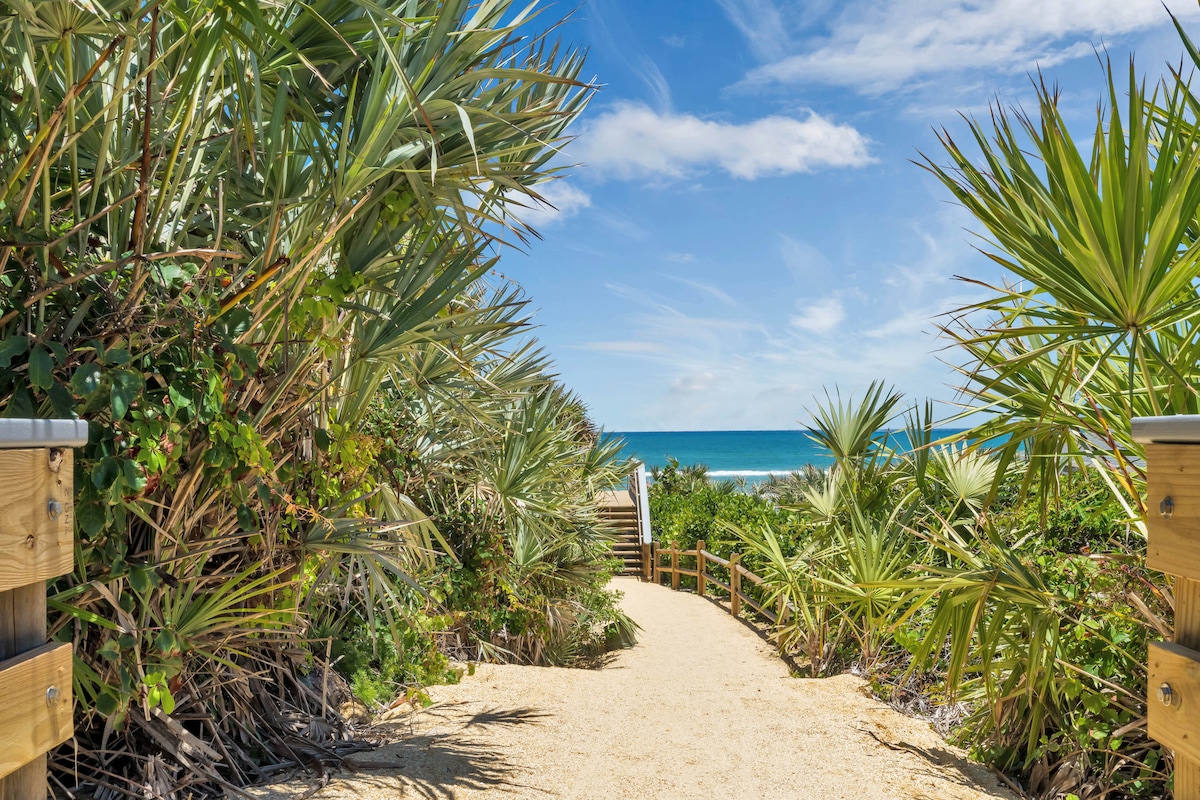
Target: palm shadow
[440,761]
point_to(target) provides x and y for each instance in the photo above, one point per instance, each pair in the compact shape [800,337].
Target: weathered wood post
[735,583]
[1173,546]
[700,567]
[675,567]
[37,543]
[641,499]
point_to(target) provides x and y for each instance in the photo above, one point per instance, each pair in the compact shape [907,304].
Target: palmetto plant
[1101,326]
[225,231]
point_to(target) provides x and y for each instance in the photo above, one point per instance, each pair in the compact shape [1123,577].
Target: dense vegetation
[1003,573]
[252,245]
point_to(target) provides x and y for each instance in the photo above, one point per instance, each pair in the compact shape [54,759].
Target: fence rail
[36,544]
[701,558]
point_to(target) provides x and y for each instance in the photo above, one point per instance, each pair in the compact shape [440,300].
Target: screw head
[1166,507]
[54,508]
[1166,695]
[52,694]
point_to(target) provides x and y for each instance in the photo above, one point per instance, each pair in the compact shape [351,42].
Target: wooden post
[735,583]
[647,569]
[655,572]
[675,567]
[1173,546]
[1187,634]
[36,544]
[700,568]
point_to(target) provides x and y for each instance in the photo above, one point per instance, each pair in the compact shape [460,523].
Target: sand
[699,708]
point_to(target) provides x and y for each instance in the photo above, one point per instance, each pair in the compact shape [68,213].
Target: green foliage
[381,668]
[686,507]
[233,235]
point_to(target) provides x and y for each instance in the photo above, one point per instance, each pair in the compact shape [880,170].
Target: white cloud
[820,317]
[760,364]
[634,141]
[560,201]
[681,258]
[880,45]
[674,40]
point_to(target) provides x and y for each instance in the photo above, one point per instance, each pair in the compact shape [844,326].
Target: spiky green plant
[225,230]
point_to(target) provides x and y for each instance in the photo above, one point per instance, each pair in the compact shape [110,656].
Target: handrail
[641,497]
[655,570]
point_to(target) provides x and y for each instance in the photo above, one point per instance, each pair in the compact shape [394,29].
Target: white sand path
[699,708]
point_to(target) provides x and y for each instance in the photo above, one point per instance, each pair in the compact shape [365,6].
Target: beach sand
[700,708]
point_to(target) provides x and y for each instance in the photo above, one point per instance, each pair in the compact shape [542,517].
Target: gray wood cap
[1182,429]
[20,433]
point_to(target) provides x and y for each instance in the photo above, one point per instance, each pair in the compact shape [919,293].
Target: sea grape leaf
[21,404]
[41,367]
[62,400]
[246,518]
[141,578]
[91,518]
[135,478]
[110,651]
[126,386]
[117,356]
[107,703]
[86,379]
[106,472]
[10,348]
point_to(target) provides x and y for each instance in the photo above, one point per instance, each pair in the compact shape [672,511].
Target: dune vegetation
[996,582]
[253,244]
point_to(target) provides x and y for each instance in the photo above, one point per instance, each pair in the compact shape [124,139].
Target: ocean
[753,455]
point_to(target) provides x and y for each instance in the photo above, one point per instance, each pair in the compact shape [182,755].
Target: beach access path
[701,707]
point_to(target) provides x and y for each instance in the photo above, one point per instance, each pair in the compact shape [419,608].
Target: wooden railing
[36,544]
[701,558]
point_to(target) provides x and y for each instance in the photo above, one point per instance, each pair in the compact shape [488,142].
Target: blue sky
[745,228]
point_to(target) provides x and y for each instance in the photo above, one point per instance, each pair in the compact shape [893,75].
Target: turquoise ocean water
[752,455]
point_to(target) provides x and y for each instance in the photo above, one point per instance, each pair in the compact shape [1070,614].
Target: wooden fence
[36,544]
[701,558]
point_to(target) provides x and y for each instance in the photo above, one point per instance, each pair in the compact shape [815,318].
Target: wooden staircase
[619,510]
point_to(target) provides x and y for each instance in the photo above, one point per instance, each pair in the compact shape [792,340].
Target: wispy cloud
[681,258]
[821,317]
[882,45]
[802,258]
[761,23]
[627,347]
[610,27]
[707,289]
[694,383]
[756,365]
[632,140]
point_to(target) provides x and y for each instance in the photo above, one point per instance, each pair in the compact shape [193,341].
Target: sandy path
[700,708]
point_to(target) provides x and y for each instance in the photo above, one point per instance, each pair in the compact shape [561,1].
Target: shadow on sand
[434,756]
